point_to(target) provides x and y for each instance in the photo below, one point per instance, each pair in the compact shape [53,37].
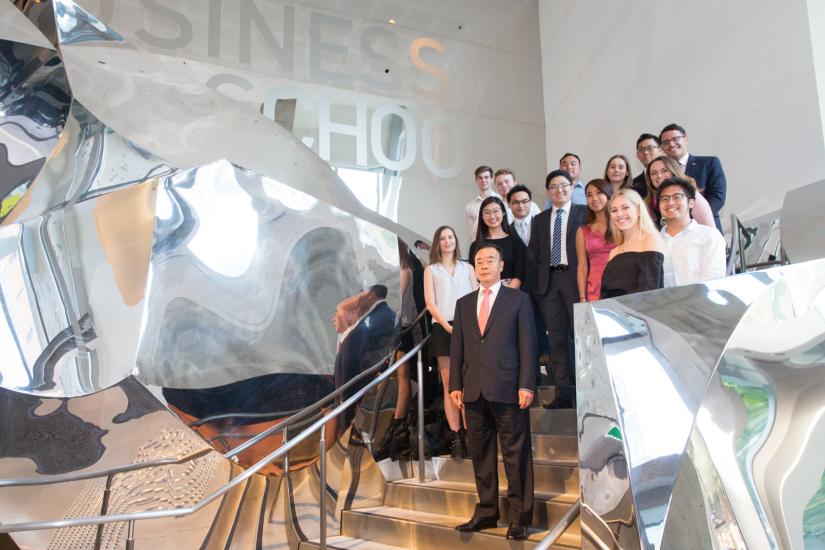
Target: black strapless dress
[631,272]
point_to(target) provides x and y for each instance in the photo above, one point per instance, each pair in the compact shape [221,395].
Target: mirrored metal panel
[686,400]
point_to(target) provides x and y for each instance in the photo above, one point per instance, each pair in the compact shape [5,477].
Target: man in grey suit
[553,248]
[493,378]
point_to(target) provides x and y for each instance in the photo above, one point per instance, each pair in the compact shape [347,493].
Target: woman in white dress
[446,280]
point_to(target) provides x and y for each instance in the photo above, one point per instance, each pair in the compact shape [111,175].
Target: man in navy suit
[707,171]
[493,378]
[553,248]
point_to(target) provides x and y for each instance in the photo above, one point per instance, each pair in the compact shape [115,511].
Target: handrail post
[421,455]
[107,491]
[286,454]
[323,494]
[130,536]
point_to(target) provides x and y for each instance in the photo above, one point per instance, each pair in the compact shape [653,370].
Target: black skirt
[440,341]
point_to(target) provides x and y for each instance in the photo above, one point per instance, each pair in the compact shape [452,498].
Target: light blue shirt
[576,195]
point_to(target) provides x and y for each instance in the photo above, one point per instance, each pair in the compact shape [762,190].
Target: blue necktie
[555,248]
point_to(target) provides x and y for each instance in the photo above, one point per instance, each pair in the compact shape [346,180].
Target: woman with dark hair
[617,172]
[493,228]
[446,280]
[662,168]
[593,240]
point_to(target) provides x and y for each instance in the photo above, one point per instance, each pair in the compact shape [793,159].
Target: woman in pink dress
[593,240]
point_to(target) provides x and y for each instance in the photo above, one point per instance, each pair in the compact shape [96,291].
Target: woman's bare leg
[402,377]
[450,410]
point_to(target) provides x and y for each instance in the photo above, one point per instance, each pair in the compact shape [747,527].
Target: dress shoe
[517,531]
[559,403]
[477,524]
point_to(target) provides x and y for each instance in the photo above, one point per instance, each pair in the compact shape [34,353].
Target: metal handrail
[23,482]
[283,425]
[243,476]
[560,526]
[65,478]
[734,245]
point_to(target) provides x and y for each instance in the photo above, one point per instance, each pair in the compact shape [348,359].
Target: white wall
[482,56]
[738,75]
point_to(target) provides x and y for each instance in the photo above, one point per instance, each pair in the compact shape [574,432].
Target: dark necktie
[555,248]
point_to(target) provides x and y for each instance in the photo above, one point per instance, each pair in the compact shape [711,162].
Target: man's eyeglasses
[524,202]
[675,197]
[647,149]
[672,141]
[558,186]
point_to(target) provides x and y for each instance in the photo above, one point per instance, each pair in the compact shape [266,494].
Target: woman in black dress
[635,265]
[493,228]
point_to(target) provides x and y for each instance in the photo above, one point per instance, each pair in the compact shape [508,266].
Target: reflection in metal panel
[144,268]
[701,413]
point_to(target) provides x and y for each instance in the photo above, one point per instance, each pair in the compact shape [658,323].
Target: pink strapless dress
[598,252]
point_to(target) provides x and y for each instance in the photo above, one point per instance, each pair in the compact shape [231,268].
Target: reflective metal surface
[163,231]
[700,413]
[802,222]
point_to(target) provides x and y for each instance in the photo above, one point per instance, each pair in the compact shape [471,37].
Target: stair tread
[439,484]
[449,522]
[343,543]
[559,462]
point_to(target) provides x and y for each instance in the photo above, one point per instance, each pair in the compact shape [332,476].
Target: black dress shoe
[517,531]
[477,524]
[559,403]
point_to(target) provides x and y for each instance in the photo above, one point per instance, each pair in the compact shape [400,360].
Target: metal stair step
[425,531]
[553,421]
[555,447]
[459,499]
[549,476]
[341,542]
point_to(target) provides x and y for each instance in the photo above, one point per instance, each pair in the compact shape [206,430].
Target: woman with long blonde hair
[635,264]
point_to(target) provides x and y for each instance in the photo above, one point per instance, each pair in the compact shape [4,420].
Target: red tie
[484,313]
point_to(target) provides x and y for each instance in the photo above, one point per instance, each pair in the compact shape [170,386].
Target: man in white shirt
[484,181]
[571,163]
[693,252]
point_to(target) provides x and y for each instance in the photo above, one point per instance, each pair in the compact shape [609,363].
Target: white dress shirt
[523,229]
[493,293]
[694,255]
[471,212]
[564,223]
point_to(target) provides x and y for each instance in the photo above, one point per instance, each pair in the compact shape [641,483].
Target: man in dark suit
[553,247]
[707,171]
[493,378]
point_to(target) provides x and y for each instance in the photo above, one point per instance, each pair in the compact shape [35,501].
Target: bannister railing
[560,527]
[320,424]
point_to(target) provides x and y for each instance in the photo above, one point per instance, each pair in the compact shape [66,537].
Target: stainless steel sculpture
[161,247]
[701,412]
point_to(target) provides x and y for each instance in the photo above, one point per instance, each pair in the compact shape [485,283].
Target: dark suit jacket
[711,181]
[640,184]
[501,361]
[364,346]
[540,245]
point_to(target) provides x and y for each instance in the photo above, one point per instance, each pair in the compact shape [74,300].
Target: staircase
[423,516]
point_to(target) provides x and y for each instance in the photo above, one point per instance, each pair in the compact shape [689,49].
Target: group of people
[495,316]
